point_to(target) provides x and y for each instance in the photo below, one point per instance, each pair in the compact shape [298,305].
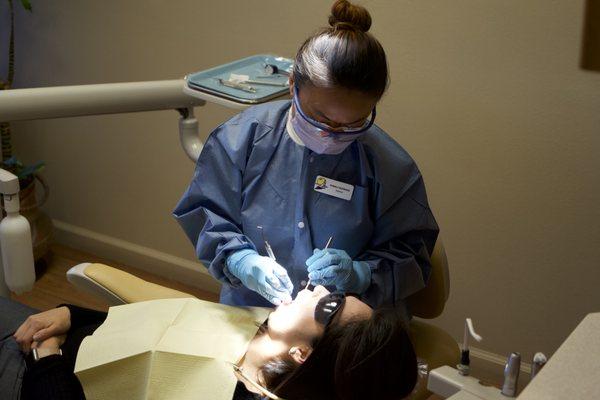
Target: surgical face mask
[321,138]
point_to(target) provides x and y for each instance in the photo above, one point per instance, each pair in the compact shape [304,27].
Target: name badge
[333,188]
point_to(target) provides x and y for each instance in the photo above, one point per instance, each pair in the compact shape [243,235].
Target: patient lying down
[320,346]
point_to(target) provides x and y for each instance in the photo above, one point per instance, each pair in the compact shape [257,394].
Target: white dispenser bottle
[15,239]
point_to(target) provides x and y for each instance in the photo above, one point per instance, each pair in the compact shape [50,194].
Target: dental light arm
[108,98]
[17,272]
[188,133]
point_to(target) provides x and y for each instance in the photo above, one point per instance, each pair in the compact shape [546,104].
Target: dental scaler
[324,248]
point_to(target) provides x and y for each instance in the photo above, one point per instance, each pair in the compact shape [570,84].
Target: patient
[321,346]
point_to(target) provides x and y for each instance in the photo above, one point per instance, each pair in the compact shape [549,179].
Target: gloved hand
[335,267]
[261,274]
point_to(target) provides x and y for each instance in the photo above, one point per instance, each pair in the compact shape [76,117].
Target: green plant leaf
[26,5]
[12,162]
[31,170]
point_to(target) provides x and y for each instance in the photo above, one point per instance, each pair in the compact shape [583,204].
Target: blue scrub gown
[251,173]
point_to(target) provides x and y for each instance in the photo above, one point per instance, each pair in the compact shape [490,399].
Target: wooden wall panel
[590,55]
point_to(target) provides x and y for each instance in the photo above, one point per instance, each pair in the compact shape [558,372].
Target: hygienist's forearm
[393,279]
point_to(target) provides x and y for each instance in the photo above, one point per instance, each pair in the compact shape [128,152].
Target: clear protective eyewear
[328,129]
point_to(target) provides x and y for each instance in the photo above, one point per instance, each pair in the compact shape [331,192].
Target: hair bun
[344,13]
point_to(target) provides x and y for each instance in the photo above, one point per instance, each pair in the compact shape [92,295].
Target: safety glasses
[341,131]
[328,306]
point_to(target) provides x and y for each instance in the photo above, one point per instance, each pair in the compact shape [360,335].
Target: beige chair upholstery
[129,287]
[429,302]
[433,345]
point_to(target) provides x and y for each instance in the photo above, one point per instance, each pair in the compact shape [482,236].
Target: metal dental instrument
[237,85]
[267,83]
[267,245]
[269,76]
[324,248]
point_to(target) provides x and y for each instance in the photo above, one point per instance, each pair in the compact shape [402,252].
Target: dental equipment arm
[188,133]
[109,98]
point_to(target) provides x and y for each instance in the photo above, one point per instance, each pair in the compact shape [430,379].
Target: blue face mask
[321,138]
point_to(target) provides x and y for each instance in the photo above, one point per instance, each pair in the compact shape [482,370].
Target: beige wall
[486,95]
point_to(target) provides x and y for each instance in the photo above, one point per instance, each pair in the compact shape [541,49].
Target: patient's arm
[52,377]
[55,322]
[41,326]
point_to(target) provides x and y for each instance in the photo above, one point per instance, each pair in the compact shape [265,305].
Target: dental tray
[201,83]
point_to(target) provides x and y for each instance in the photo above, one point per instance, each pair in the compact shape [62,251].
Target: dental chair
[433,346]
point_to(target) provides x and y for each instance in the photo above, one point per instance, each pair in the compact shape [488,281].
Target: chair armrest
[116,286]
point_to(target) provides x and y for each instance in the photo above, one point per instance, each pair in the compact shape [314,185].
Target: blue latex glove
[261,274]
[335,267]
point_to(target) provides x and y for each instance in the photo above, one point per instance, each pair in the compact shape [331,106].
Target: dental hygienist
[296,173]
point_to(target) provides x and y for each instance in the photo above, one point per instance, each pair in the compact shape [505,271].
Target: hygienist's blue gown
[252,173]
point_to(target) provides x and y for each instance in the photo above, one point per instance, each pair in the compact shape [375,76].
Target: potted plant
[41,225]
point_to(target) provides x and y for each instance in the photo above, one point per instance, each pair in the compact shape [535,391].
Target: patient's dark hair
[343,55]
[362,359]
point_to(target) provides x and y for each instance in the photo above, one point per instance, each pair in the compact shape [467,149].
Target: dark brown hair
[343,55]
[362,359]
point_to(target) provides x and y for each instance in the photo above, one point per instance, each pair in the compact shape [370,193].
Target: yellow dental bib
[167,349]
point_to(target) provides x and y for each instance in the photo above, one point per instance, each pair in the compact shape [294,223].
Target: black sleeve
[50,378]
[84,316]
[83,323]
[241,393]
